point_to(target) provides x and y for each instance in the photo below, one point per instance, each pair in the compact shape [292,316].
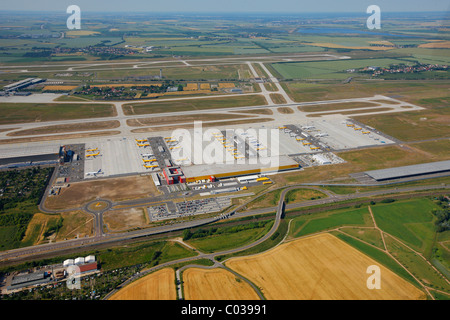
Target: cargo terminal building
[418,170]
[229,170]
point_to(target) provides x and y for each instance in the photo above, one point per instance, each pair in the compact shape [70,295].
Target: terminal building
[174,175]
[22,84]
[424,169]
[230,170]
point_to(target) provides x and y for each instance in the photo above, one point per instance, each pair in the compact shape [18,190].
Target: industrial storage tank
[68,262]
[89,259]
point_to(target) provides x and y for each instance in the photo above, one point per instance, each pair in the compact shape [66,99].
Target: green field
[21,191]
[298,195]
[226,237]
[40,112]
[153,253]
[379,256]
[411,221]
[420,268]
[327,69]
[193,104]
[414,125]
[308,224]
[423,93]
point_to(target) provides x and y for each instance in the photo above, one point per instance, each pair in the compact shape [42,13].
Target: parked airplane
[93,155]
[94,173]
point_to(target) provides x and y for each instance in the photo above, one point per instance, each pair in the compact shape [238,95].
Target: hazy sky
[286,6]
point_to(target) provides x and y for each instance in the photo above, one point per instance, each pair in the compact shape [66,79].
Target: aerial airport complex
[146,155]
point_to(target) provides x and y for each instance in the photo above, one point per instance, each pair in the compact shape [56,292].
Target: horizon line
[217,12]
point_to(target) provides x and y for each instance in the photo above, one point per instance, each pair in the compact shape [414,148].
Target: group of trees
[20,193]
[442,215]
[201,233]
[19,185]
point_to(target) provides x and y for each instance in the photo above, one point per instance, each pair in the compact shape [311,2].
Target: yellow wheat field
[226,85]
[317,268]
[340,46]
[126,85]
[178,93]
[81,33]
[436,45]
[159,285]
[205,86]
[59,88]
[215,284]
[191,87]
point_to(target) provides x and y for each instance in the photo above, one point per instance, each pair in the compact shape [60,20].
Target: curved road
[100,238]
[279,213]
[211,256]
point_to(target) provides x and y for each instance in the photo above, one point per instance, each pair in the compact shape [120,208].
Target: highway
[59,248]
[280,209]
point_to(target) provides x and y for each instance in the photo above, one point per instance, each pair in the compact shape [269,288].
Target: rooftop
[413,170]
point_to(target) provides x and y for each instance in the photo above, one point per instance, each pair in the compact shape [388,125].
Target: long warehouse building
[410,171]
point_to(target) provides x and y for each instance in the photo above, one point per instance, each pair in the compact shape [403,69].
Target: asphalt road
[60,248]
[279,214]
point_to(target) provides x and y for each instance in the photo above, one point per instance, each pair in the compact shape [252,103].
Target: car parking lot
[188,208]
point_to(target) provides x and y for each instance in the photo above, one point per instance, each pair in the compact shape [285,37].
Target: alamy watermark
[227,147]
[374,280]
[73,279]
[374,21]
[74,20]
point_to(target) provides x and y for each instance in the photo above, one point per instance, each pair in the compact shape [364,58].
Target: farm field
[159,285]
[411,221]
[306,224]
[215,284]
[327,69]
[428,94]
[40,112]
[319,267]
[404,239]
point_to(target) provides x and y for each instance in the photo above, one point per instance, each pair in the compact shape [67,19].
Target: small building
[247,178]
[85,268]
[79,261]
[89,259]
[22,94]
[174,174]
[156,180]
[68,262]
[321,159]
